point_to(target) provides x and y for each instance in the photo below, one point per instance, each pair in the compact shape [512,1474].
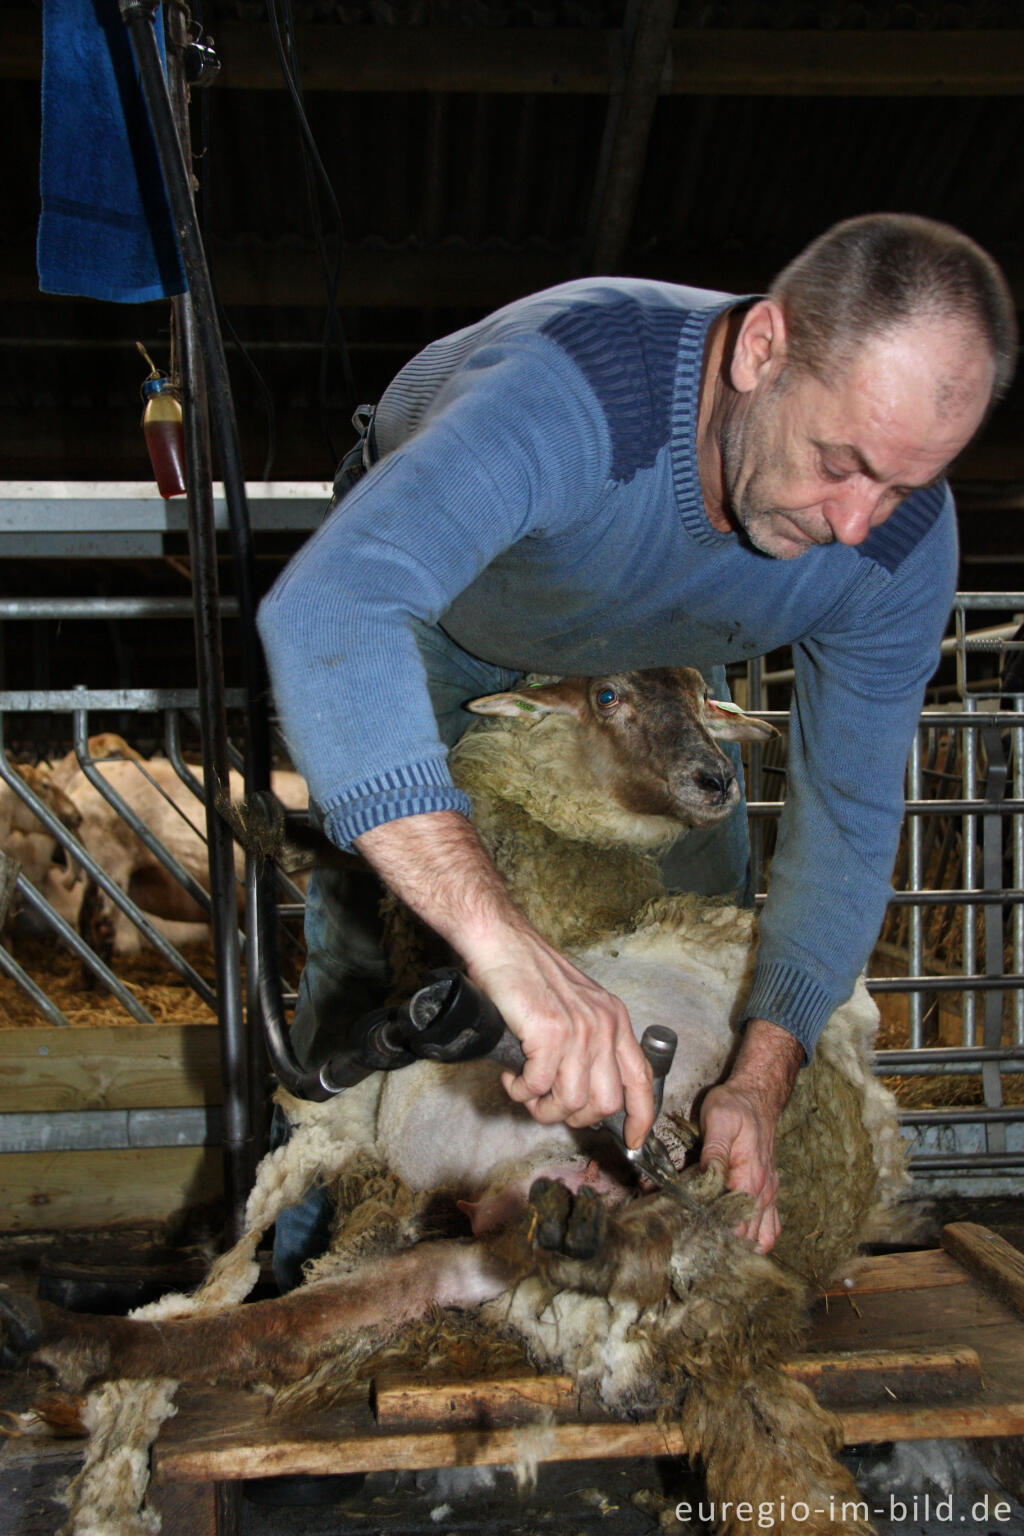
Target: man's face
[807,463]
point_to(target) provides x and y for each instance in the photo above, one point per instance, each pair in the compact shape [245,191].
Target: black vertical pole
[238,1151]
[234,1051]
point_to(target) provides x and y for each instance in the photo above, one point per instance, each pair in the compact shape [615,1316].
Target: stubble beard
[743,441]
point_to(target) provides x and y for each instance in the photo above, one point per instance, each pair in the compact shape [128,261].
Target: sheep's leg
[276,1340]
[97,925]
[625,1251]
[581,1246]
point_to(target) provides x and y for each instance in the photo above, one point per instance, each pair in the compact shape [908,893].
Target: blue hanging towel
[105,230]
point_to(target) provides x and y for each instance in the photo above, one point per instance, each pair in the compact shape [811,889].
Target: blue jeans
[301,1231]
[346,974]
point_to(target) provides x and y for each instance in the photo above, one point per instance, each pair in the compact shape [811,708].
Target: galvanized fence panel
[952,947]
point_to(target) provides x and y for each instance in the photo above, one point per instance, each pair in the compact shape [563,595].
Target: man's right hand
[583,1061]
[582,1058]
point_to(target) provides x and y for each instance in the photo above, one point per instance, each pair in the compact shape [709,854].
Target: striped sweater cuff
[407,791]
[787,996]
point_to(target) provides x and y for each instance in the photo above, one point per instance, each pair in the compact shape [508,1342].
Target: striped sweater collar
[683,423]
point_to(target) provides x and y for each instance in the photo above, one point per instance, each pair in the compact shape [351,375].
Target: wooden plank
[190,1507]
[68,1190]
[219,1435]
[902,1375]
[948,1421]
[843,1379]
[919,1270]
[938,1318]
[33,1472]
[400,1401]
[996,1263]
[197,1509]
[134,1066]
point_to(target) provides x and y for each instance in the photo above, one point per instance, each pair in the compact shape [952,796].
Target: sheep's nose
[715,783]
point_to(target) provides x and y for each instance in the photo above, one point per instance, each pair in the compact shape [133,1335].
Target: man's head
[866,370]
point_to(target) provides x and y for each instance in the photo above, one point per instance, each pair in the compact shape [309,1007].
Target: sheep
[668,1310]
[154,791]
[22,836]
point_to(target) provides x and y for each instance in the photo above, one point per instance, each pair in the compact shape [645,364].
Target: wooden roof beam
[570,61]
[627,134]
[249,272]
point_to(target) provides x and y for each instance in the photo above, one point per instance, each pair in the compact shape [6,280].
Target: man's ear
[760,346]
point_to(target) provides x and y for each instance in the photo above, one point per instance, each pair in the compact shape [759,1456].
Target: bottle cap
[151,387]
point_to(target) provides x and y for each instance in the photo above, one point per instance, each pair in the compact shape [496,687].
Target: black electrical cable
[331,275]
[267,398]
[287,54]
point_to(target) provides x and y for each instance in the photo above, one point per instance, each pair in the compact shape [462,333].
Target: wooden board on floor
[959,1332]
[924,1269]
[130,1066]
[837,1380]
[990,1258]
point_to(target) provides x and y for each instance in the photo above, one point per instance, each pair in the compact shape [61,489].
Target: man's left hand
[738,1121]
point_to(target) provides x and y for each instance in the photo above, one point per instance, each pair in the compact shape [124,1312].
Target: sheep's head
[650,739]
[16,816]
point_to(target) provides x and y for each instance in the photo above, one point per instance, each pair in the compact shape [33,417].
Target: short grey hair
[867,276]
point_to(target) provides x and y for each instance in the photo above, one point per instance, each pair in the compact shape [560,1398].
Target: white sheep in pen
[675,1313]
[154,792]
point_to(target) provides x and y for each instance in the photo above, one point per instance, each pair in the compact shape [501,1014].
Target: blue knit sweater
[538,496]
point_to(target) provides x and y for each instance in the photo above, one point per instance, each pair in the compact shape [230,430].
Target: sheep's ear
[546,699]
[728,722]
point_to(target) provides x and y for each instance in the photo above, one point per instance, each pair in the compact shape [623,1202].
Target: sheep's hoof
[705,1184]
[21,1327]
[549,1202]
[575,1225]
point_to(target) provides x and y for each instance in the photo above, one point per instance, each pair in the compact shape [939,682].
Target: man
[618,474]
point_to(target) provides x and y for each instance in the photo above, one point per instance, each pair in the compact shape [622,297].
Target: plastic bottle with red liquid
[164,434]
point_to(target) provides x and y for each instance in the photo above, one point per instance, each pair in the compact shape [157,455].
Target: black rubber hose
[303,1082]
[138,17]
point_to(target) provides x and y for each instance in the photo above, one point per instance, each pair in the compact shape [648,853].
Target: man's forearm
[767,1064]
[582,1058]
[438,866]
[739,1119]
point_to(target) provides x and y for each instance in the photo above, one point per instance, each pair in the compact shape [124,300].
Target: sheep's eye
[606,697]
